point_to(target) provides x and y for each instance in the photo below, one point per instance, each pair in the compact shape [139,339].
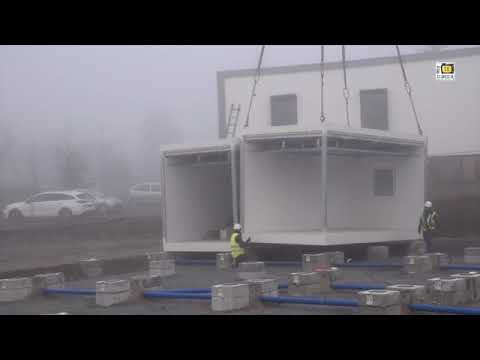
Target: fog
[106,110]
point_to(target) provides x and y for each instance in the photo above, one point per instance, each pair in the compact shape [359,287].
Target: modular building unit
[331,186]
[199,206]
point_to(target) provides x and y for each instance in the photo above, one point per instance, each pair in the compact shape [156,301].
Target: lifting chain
[346,93]
[322,74]
[408,89]
[255,81]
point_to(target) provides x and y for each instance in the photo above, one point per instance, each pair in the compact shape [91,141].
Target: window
[155,188]
[43,197]
[284,110]
[374,109]
[59,197]
[142,187]
[383,184]
[85,196]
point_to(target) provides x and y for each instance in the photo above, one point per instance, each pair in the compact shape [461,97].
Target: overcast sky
[107,91]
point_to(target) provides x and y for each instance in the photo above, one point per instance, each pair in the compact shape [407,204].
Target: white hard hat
[237,227]
[428,204]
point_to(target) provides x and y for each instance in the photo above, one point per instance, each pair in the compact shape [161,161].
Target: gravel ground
[200,277]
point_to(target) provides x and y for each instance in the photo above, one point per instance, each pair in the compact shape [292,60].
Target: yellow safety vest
[236,249]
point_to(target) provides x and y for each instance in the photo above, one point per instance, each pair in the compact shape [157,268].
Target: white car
[105,203]
[54,203]
[146,192]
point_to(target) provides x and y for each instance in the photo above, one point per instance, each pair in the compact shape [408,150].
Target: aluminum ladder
[233,120]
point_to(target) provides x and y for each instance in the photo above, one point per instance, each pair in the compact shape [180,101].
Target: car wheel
[15,215]
[65,213]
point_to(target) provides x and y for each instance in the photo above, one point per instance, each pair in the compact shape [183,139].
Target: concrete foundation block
[417,247]
[112,292]
[334,273]
[472,259]
[379,298]
[377,253]
[447,291]
[388,310]
[159,255]
[163,268]
[472,251]
[438,260]
[410,294]
[140,283]
[307,290]
[43,281]
[224,261]
[417,264]
[310,278]
[229,297]
[472,283]
[251,270]
[15,289]
[91,268]
[311,262]
[262,287]
[336,257]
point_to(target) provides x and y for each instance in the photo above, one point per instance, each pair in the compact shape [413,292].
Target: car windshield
[85,196]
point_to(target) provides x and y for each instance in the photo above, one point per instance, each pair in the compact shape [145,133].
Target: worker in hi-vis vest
[238,246]
[428,224]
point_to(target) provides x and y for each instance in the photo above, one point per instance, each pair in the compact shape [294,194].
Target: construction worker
[238,246]
[428,224]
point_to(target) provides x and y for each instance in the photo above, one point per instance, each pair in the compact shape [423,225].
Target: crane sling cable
[255,82]
[408,89]
[346,93]
[322,74]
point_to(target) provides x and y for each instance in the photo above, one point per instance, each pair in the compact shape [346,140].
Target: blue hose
[365,264]
[357,286]
[189,290]
[308,300]
[176,295]
[460,267]
[445,309]
[65,291]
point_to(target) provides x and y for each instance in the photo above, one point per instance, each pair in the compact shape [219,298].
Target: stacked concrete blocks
[309,283]
[447,291]
[312,262]
[251,270]
[15,289]
[262,287]
[417,264]
[438,260]
[410,294]
[472,255]
[44,281]
[230,297]
[472,280]
[377,253]
[224,261]
[417,247]
[334,273]
[380,302]
[112,292]
[91,268]
[164,267]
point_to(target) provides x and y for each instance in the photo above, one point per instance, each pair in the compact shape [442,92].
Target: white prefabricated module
[199,204]
[331,186]
[328,186]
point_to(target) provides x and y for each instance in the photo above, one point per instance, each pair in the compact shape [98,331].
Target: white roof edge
[185,149]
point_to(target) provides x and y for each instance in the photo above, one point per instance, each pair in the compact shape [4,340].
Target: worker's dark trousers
[239,259]
[427,237]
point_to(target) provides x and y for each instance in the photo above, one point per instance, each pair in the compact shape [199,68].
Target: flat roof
[186,149]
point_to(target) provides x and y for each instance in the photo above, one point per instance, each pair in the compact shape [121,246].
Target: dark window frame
[377,190]
[276,99]
[365,122]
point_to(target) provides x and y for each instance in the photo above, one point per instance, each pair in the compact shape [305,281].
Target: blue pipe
[445,309]
[189,290]
[176,295]
[460,267]
[66,291]
[357,286]
[365,264]
[308,300]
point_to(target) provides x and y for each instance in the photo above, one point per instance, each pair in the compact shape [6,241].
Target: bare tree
[72,167]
